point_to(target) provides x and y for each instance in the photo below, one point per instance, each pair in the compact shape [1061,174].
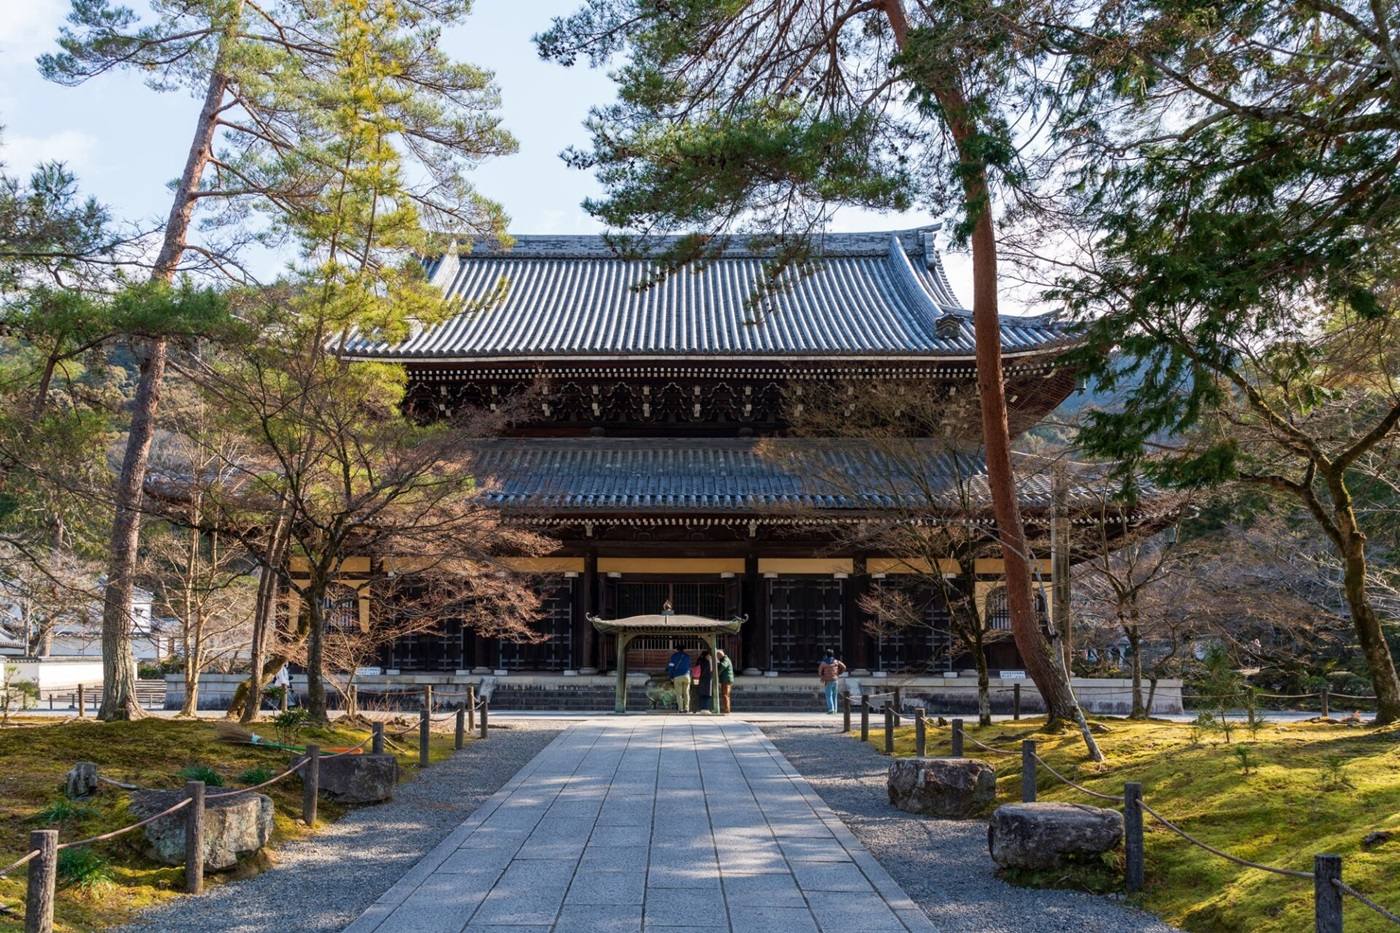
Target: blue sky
[126,142]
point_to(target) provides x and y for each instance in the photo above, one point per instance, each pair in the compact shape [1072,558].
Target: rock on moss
[234,827]
[358,778]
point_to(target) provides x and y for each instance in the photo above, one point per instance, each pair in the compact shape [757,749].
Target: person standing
[678,669]
[829,671]
[724,669]
[705,687]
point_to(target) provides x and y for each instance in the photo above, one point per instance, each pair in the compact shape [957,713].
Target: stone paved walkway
[615,826]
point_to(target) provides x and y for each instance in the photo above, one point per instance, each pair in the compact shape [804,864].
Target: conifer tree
[260,154]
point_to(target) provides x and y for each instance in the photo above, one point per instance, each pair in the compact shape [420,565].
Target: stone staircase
[586,697]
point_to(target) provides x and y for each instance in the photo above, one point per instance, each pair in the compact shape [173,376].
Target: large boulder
[949,788]
[233,826]
[1051,835]
[358,778]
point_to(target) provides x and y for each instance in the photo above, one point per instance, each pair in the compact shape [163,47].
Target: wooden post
[485,708]
[194,838]
[82,707]
[1326,705]
[461,737]
[889,729]
[846,712]
[920,734]
[1028,771]
[864,718]
[428,697]
[310,784]
[898,700]
[424,724]
[1016,701]
[286,696]
[376,745]
[957,738]
[43,872]
[1132,836]
[471,708]
[1327,897]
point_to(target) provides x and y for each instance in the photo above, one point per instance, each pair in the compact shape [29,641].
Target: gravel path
[942,864]
[326,881]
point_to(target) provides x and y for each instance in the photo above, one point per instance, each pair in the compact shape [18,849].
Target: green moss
[1290,806]
[150,753]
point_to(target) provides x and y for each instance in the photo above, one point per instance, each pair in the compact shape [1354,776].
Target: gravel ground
[942,864]
[326,881]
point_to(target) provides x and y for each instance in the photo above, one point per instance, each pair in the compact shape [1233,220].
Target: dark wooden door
[923,646]
[804,619]
[555,621]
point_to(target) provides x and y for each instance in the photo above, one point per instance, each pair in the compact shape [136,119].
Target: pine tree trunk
[118,665]
[1135,645]
[264,621]
[315,653]
[1369,634]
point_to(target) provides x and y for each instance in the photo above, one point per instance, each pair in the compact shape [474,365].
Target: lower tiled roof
[740,475]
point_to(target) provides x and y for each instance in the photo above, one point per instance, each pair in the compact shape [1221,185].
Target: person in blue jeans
[678,669]
[830,670]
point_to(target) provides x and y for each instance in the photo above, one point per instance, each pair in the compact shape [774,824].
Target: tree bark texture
[118,665]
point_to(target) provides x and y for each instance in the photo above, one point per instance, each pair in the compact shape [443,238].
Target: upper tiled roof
[741,476]
[881,295]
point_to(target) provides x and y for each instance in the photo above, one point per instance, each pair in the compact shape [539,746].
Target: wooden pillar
[620,700]
[853,623]
[763,629]
[752,655]
[586,599]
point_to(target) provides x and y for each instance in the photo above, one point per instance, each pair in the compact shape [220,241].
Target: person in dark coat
[707,679]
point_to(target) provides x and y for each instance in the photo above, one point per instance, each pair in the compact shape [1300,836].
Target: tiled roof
[866,295]
[736,476]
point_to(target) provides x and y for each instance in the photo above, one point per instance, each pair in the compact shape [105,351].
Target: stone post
[194,838]
[1327,897]
[1132,837]
[310,781]
[1028,771]
[43,872]
[957,738]
[460,738]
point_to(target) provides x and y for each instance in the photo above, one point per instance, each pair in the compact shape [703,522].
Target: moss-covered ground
[34,756]
[1296,790]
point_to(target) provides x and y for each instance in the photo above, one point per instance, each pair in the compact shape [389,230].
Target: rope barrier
[125,829]
[994,751]
[1076,785]
[1285,872]
[23,861]
[1348,889]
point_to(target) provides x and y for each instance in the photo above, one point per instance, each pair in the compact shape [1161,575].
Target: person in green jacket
[725,670]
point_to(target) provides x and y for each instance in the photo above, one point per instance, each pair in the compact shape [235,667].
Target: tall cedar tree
[258,154]
[1245,192]
[758,116]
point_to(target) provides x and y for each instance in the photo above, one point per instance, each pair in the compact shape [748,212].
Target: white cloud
[22,153]
[28,27]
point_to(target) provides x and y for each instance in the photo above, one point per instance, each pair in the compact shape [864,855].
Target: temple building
[655,407]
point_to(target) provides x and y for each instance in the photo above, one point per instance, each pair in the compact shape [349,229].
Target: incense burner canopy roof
[551,298]
[662,624]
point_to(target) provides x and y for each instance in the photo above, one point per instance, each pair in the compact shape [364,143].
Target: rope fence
[1327,868]
[42,859]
